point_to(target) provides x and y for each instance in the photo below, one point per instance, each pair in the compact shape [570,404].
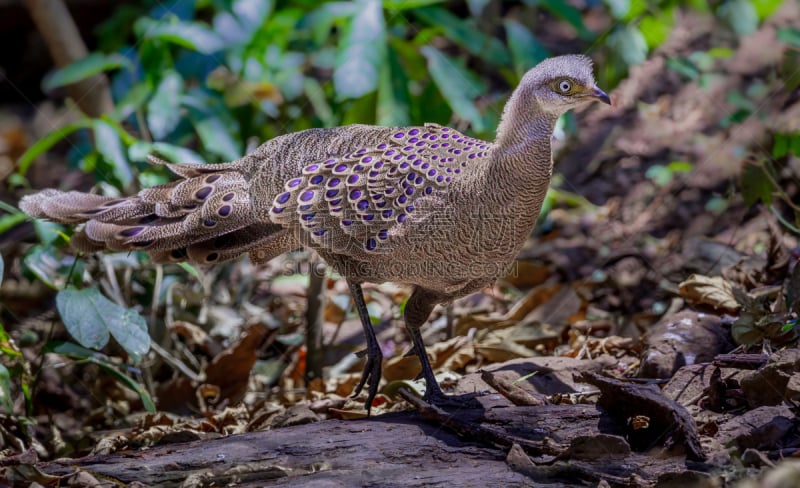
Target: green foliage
[90,318]
[662,175]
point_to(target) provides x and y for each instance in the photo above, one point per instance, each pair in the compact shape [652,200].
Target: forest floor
[647,336]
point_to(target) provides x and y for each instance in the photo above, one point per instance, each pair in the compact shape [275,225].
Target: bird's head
[563,82]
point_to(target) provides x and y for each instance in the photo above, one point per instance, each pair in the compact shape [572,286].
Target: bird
[425,206]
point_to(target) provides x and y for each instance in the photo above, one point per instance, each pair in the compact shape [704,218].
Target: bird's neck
[521,153]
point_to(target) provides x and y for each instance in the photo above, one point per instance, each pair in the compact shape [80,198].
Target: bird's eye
[564,86]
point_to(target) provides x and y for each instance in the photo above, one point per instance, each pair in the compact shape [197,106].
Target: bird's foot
[371,377]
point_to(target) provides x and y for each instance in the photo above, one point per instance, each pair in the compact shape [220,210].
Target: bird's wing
[359,202]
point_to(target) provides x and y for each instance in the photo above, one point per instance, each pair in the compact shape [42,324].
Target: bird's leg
[418,309]
[372,369]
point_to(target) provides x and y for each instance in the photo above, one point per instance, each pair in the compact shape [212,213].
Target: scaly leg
[418,309]
[372,369]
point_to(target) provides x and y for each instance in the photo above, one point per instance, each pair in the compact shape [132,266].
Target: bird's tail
[204,217]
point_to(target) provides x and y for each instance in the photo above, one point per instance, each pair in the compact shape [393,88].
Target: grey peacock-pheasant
[424,206]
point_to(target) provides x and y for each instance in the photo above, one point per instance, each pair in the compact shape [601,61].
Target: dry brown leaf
[709,290]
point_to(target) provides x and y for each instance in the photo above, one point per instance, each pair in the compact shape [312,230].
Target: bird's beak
[599,95]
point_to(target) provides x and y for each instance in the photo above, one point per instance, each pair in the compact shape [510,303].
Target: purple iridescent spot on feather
[410,208]
[312,167]
[387,213]
[352,179]
[341,168]
[277,210]
[307,216]
[347,222]
[399,135]
[319,232]
[363,204]
[212,178]
[383,234]
[307,195]
[378,165]
[303,208]
[401,218]
[133,231]
[403,165]
[228,197]
[209,223]
[413,140]
[358,168]
[399,156]
[368,217]
[317,179]
[334,182]
[367,159]
[402,199]
[293,183]
[284,197]
[409,191]
[432,172]
[413,132]
[419,180]
[440,178]
[203,193]
[426,165]
[428,190]
[380,204]
[382,146]
[371,244]
[355,194]
[331,193]
[336,202]
[224,210]
[361,151]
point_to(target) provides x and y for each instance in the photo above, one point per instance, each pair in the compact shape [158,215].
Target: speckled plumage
[425,206]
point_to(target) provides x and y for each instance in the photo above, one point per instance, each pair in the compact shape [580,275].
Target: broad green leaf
[629,44]
[42,145]
[765,8]
[75,351]
[90,317]
[85,68]
[191,35]
[456,84]
[47,232]
[619,8]
[566,12]
[526,50]
[109,145]
[316,97]
[191,270]
[139,151]
[7,222]
[780,148]
[393,100]
[740,15]
[361,53]
[463,33]
[214,124]
[163,110]
[789,35]
[6,402]
[133,99]
[756,186]
[656,28]
[408,4]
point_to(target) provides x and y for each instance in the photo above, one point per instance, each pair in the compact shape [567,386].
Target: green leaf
[90,317]
[740,15]
[7,222]
[458,86]
[656,28]
[48,141]
[191,270]
[789,35]
[765,8]
[393,100]
[361,54]
[133,99]
[48,232]
[316,97]
[755,184]
[780,148]
[163,110]
[139,151]
[408,4]
[567,13]
[6,402]
[191,35]
[109,145]
[526,50]
[629,44]
[85,68]
[619,8]
[75,351]
[214,124]
[465,34]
